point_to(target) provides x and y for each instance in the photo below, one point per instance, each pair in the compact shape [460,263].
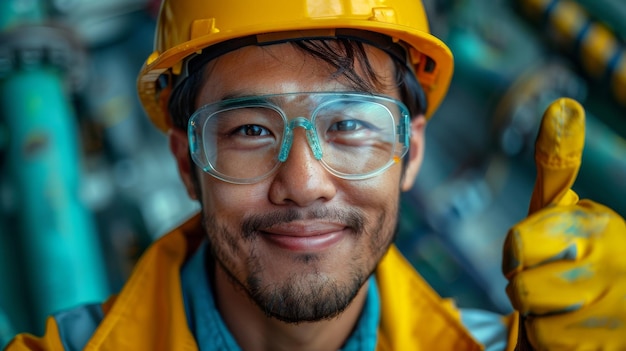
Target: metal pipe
[60,255]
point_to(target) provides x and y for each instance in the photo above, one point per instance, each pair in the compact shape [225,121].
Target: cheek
[379,197]
[225,200]
[378,191]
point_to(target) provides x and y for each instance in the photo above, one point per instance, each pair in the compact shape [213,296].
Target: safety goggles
[353,135]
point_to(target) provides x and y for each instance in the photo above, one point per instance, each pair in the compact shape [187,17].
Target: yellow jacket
[149,312]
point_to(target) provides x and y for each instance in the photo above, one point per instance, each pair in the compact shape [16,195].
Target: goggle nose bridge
[311,136]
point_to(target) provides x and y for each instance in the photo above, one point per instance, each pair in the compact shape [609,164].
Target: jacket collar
[149,312]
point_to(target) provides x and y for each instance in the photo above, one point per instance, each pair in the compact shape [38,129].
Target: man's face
[301,242]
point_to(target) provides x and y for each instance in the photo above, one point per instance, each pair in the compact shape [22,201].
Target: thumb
[558,154]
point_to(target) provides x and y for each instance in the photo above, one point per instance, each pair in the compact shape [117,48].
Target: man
[296,124]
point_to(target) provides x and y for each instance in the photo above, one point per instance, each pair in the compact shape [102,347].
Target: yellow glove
[566,262]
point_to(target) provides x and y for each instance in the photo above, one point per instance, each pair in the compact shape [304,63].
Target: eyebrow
[238,95]
[276,97]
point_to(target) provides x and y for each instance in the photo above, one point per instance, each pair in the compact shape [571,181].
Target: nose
[301,180]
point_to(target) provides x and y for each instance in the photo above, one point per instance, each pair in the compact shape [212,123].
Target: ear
[179,146]
[416,152]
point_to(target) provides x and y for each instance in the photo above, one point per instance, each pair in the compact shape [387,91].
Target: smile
[305,238]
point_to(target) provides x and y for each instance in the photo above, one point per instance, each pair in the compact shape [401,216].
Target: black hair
[340,54]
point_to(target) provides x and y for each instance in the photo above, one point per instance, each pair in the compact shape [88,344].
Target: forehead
[283,68]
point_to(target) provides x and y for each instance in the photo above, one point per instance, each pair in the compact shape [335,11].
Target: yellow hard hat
[185,27]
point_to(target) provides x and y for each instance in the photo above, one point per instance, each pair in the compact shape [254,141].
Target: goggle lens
[244,140]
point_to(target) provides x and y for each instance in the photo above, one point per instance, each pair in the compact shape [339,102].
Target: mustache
[352,218]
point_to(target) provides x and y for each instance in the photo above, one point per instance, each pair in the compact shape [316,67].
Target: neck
[254,331]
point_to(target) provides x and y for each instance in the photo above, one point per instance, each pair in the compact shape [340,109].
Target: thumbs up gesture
[566,262]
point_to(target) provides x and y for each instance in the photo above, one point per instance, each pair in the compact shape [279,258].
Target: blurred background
[86,182]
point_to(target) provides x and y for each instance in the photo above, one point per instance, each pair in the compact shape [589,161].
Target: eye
[251,130]
[347,126]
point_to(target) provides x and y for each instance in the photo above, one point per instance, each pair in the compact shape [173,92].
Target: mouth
[303,237]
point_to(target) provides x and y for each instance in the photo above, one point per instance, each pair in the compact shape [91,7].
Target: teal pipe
[62,257]
[60,261]
[14,314]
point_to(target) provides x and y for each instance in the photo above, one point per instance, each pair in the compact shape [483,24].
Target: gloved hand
[566,262]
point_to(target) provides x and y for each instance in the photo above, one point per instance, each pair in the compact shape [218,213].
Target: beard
[303,296]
